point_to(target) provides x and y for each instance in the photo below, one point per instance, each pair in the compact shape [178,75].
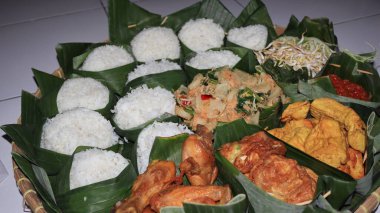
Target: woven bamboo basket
[33,201]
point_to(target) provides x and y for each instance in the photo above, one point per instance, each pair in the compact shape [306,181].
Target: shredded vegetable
[307,52]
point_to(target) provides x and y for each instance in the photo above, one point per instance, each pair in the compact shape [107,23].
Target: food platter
[33,170]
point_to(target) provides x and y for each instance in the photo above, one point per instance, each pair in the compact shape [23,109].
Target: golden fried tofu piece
[294,132]
[327,142]
[355,127]
[284,179]
[296,111]
[354,165]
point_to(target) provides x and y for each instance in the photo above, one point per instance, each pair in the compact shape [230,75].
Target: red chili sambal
[348,89]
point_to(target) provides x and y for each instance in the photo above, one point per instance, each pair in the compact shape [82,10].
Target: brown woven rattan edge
[29,194]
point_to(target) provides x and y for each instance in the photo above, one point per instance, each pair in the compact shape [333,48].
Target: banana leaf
[170,80]
[214,9]
[269,116]
[66,53]
[126,19]
[283,74]
[310,91]
[340,184]
[133,133]
[347,67]
[177,19]
[236,204]
[256,13]
[39,180]
[50,86]
[321,28]
[96,197]
[244,64]
[168,148]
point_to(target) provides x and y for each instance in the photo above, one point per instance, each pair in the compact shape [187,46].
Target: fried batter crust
[284,179]
[356,128]
[327,142]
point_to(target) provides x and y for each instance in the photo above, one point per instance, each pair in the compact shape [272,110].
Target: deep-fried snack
[356,129]
[177,195]
[262,159]
[327,142]
[354,165]
[198,161]
[158,176]
[284,179]
[249,152]
[296,111]
[294,132]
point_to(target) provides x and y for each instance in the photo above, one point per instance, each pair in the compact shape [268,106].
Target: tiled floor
[30,30]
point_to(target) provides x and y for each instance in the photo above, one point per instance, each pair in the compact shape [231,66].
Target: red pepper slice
[206,97]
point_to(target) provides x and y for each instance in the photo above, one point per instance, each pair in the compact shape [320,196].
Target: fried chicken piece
[177,195]
[198,160]
[327,143]
[294,133]
[296,111]
[284,179]
[356,129]
[354,165]
[249,152]
[158,176]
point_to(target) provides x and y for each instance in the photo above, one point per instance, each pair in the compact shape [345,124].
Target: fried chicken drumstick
[177,195]
[158,176]
[198,161]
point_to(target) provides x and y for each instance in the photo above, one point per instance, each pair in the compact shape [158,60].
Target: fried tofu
[327,142]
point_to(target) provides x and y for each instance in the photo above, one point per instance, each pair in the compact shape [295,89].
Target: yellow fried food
[327,142]
[354,165]
[353,124]
[296,111]
[294,132]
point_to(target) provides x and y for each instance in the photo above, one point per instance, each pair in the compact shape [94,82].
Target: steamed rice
[78,127]
[155,43]
[252,37]
[106,57]
[95,165]
[213,59]
[147,136]
[141,105]
[152,67]
[82,92]
[201,34]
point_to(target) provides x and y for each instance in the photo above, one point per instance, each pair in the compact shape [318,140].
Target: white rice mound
[82,92]
[141,105]
[155,43]
[252,37]
[201,34]
[213,59]
[148,135]
[106,57]
[78,127]
[95,165]
[152,67]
